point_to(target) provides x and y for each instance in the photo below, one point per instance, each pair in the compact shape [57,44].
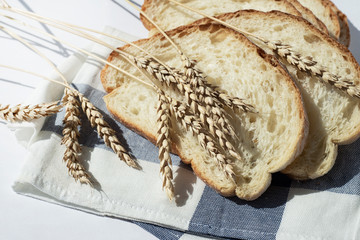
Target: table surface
[27,218]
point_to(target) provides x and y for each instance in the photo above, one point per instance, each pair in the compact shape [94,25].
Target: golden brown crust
[144,7]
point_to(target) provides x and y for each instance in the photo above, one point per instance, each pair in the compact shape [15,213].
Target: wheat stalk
[155,69]
[191,123]
[70,138]
[163,142]
[105,131]
[27,113]
[307,64]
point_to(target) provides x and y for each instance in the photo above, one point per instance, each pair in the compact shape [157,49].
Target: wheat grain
[70,138]
[157,70]
[307,64]
[191,123]
[27,112]
[163,142]
[105,131]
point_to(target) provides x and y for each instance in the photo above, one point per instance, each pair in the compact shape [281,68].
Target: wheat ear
[163,142]
[27,113]
[70,138]
[191,123]
[171,77]
[307,64]
[105,131]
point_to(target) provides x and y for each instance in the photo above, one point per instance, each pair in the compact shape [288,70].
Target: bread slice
[309,15]
[334,116]
[325,13]
[169,15]
[344,24]
[267,141]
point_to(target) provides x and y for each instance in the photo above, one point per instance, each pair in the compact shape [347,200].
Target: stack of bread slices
[302,112]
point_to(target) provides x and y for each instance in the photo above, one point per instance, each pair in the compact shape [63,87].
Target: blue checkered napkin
[326,208]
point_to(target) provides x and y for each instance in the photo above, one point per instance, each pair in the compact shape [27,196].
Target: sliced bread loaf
[333,115]
[267,141]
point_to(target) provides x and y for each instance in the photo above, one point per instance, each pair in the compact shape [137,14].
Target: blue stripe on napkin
[235,218]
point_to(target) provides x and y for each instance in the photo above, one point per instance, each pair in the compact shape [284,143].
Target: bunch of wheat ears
[201,111]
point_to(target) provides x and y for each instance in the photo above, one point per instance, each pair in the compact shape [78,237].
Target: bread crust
[146,5]
[286,158]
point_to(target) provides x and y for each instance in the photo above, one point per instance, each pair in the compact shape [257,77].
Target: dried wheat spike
[307,64]
[163,142]
[198,82]
[234,102]
[206,107]
[155,69]
[207,96]
[27,113]
[191,72]
[70,138]
[195,99]
[191,123]
[105,131]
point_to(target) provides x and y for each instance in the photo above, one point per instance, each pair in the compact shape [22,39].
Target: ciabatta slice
[333,115]
[169,15]
[267,141]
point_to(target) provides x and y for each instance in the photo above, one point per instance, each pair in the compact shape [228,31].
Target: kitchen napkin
[325,208]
